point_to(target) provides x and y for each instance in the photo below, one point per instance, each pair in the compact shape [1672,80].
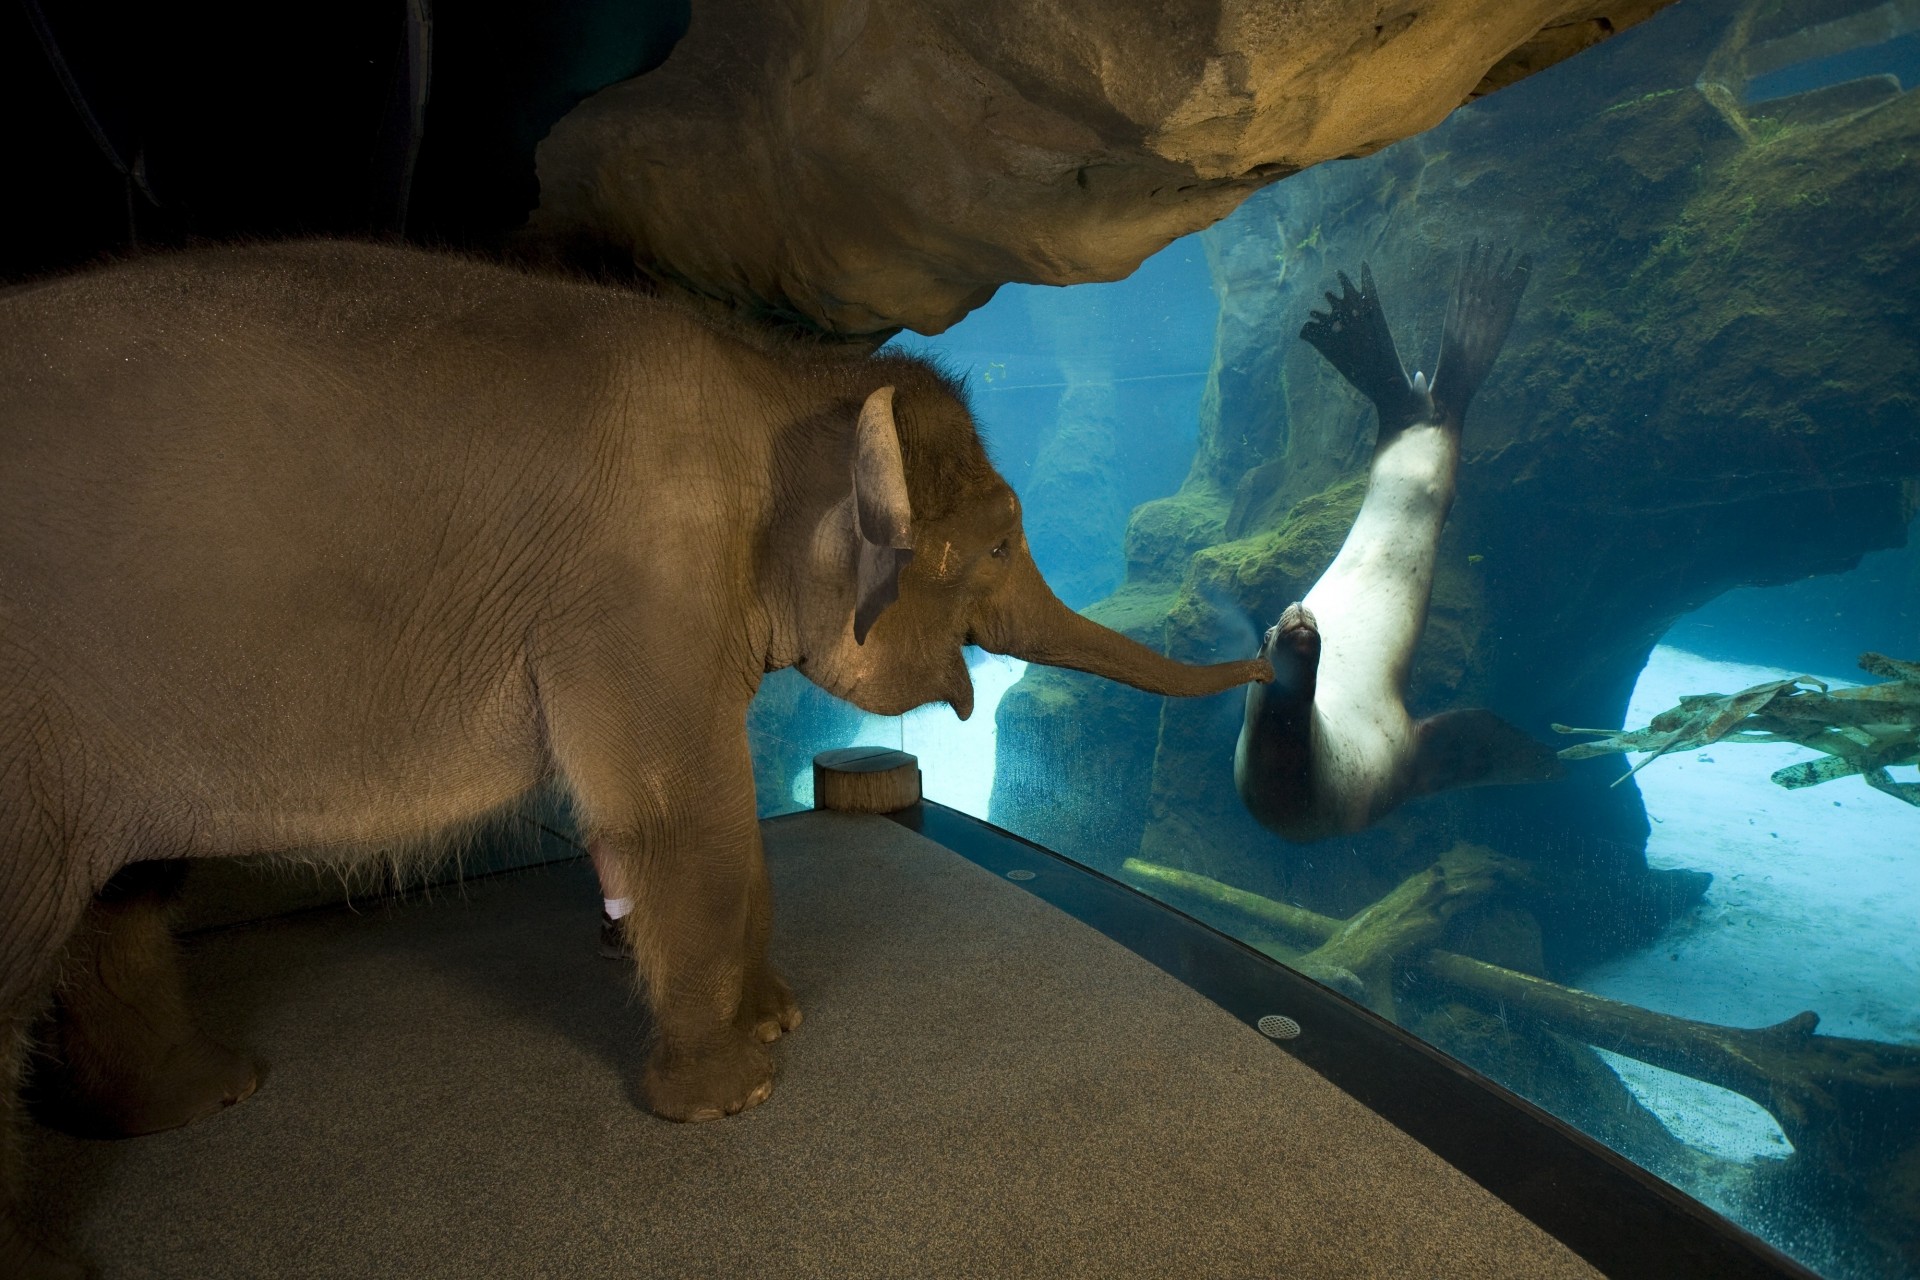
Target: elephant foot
[769,1009]
[187,1081]
[721,1081]
[124,1055]
[27,1259]
[191,1083]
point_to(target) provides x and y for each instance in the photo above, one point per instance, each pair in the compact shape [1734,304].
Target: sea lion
[1328,747]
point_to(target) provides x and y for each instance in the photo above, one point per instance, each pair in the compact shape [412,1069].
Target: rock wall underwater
[1712,383]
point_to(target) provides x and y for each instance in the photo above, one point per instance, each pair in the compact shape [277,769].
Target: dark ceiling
[268,120]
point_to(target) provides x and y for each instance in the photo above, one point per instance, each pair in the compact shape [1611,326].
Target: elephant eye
[1000,551]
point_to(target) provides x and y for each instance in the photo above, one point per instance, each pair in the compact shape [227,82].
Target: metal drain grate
[1276,1026]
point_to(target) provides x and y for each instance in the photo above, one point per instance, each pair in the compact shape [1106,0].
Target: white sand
[1815,904]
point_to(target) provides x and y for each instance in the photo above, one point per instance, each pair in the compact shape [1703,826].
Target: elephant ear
[882,516]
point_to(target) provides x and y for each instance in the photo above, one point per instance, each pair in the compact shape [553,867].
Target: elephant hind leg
[125,1057]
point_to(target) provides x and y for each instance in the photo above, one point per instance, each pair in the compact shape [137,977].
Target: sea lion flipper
[1485,298]
[1352,334]
[1476,748]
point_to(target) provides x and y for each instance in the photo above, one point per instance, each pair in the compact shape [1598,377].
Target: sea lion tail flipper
[1476,748]
[1478,317]
[1352,334]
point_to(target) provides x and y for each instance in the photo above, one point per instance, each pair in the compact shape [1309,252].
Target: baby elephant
[335,546]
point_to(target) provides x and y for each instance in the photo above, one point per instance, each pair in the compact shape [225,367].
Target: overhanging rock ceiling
[861,165]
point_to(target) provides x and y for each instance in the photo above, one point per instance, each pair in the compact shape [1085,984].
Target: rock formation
[861,165]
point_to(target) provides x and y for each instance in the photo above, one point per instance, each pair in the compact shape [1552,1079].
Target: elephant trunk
[1025,620]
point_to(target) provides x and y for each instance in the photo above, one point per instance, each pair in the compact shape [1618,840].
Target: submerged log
[1863,730]
[1359,959]
[1844,1103]
[1310,927]
[1851,1107]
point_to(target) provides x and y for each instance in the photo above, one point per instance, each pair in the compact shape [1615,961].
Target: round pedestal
[865,780]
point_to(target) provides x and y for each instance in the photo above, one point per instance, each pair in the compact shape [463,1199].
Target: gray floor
[983,1087]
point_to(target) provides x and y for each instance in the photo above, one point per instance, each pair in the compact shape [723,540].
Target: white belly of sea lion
[1371,606]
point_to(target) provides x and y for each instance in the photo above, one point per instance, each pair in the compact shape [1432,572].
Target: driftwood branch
[1848,1104]
[1360,957]
[1838,1100]
[1864,730]
[1310,927]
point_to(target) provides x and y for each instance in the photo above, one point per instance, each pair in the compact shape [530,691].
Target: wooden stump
[865,780]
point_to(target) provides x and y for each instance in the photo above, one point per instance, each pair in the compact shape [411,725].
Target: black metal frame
[1616,1215]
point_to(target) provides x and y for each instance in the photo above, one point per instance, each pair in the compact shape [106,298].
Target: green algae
[1163,534]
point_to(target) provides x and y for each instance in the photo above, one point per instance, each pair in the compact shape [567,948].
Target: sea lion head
[1292,645]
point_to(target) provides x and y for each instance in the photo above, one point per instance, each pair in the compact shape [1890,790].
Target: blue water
[1898,57]
[1749,540]
[1100,373]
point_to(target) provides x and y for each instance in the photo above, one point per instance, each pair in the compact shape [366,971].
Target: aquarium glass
[1694,470]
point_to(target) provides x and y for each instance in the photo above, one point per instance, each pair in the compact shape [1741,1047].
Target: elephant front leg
[769,1009]
[683,829]
[689,935]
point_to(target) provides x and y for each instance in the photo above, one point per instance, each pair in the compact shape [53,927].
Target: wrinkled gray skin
[339,546]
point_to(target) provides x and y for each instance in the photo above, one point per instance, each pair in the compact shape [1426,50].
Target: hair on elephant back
[331,547]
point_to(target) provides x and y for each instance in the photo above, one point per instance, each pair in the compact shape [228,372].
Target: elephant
[338,547]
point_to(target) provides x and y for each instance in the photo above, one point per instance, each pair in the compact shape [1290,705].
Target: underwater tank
[1694,470]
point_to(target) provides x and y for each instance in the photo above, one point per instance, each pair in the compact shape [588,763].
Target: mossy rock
[1163,534]
[1266,571]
